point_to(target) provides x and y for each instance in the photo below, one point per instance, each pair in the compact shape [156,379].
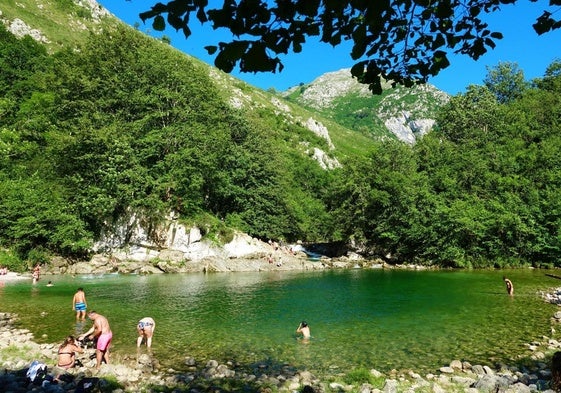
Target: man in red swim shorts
[102,332]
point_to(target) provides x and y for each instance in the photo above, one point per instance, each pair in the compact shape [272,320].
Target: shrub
[12,261]
[360,376]
[38,256]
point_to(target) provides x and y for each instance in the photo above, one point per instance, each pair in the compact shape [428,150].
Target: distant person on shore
[509,286]
[102,332]
[79,304]
[304,330]
[67,353]
[145,328]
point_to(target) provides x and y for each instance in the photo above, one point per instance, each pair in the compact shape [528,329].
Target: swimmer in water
[304,330]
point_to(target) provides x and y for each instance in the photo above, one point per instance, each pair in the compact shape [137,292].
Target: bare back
[305,330]
[79,297]
[101,325]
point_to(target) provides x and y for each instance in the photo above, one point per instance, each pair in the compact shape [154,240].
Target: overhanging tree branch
[402,41]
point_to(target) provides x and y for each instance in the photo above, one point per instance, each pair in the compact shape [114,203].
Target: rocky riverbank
[142,372]
[262,260]
[187,252]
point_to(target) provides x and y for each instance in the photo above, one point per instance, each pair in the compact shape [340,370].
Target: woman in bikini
[67,353]
[145,328]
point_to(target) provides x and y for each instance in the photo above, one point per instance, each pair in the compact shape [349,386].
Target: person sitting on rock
[67,353]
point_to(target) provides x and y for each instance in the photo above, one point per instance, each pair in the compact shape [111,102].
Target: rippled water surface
[358,318]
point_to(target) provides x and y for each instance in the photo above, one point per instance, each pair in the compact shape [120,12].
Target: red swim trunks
[103,341]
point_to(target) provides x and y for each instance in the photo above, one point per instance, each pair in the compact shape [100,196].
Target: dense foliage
[126,125]
[480,190]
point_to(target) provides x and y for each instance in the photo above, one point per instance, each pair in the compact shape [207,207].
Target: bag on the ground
[37,372]
[87,385]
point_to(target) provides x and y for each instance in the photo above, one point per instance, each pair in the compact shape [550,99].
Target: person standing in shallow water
[509,286]
[145,327]
[36,273]
[79,304]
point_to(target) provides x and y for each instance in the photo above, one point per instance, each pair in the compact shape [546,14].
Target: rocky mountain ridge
[405,113]
[40,19]
[408,113]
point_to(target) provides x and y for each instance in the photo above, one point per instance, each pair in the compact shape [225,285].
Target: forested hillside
[480,190]
[127,124]
[123,124]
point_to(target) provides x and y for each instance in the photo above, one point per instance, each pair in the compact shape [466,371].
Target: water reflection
[79,328]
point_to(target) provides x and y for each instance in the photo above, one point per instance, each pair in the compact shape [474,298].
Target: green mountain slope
[115,131]
[402,113]
[65,23]
[342,105]
[54,23]
[109,125]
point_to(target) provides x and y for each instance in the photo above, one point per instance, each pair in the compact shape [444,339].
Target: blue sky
[520,45]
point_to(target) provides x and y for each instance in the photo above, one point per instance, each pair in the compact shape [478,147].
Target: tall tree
[374,198]
[552,78]
[506,81]
[474,110]
[21,61]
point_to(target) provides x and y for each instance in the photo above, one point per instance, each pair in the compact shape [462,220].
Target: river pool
[382,319]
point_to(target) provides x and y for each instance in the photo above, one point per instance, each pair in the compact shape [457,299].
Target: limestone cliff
[405,113]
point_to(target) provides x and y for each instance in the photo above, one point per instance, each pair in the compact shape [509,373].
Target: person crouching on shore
[102,332]
[67,353]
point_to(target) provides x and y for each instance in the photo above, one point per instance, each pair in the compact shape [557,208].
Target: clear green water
[358,318]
